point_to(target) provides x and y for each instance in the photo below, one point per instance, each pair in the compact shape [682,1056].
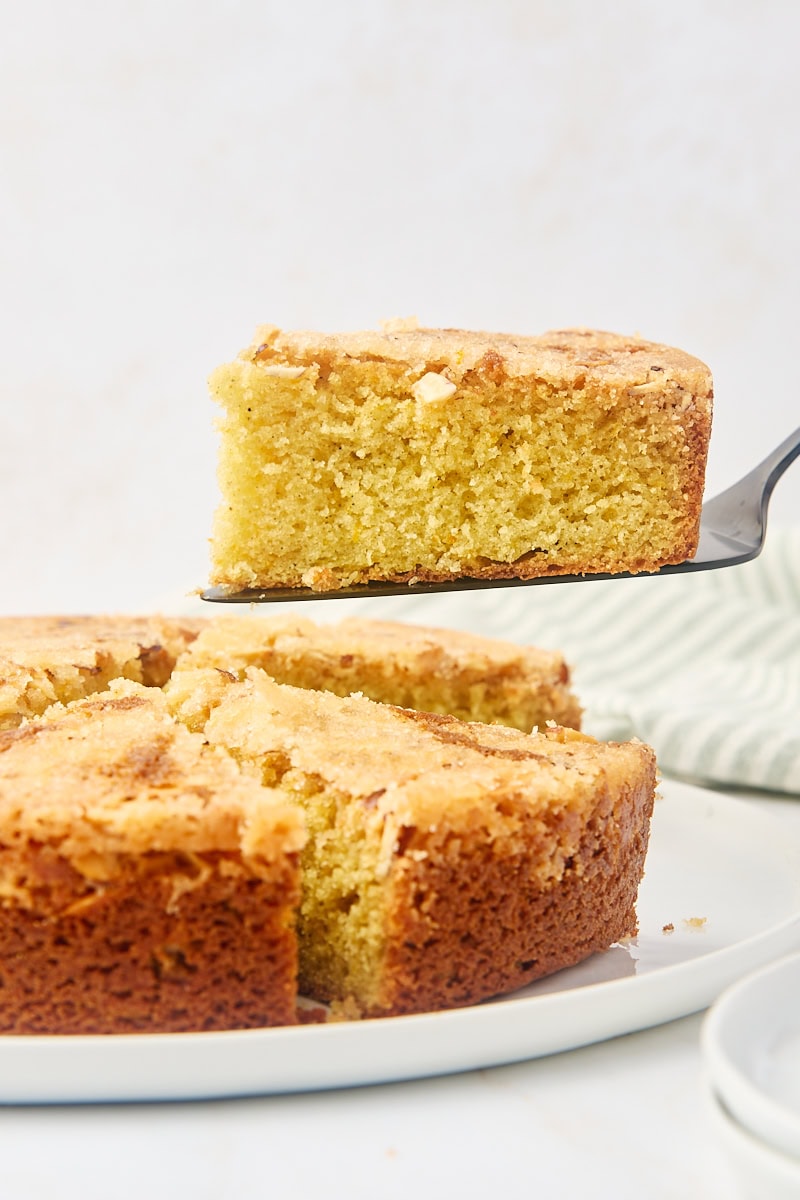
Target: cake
[146,884]
[446,861]
[418,454]
[411,666]
[205,848]
[61,658]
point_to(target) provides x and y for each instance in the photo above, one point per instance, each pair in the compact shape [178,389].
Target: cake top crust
[469,651]
[417,768]
[562,358]
[44,659]
[233,642]
[114,774]
[52,641]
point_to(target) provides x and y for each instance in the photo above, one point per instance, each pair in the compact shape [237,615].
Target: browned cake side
[447,862]
[466,926]
[145,884]
[123,962]
[412,666]
[61,658]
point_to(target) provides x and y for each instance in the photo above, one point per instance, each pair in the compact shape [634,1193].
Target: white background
[173,173]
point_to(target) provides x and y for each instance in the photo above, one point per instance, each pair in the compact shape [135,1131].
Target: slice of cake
[447,862]
[61,658]
[423,454]
[436,670]
[146,885]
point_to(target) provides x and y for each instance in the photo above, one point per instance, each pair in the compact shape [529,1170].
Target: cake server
[732,530]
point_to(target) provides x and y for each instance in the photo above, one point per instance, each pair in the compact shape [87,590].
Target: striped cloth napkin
[704,667]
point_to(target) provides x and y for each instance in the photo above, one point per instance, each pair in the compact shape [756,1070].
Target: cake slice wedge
[447,862]
[146,884]
[419,454]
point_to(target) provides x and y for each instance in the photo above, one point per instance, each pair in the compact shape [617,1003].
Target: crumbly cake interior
[412,666]
[429,454]
[420,825]
[271,730]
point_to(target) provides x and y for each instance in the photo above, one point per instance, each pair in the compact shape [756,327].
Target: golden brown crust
[133,959]
[360,747]
[45,659]
[412,666]
[458,935]
[565,357]
[114,775]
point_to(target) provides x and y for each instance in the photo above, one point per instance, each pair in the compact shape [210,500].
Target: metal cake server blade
[732,530]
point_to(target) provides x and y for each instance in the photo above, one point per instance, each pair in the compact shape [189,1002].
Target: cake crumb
[320,579]
[432,388]
[695,922]
[668,928]
[344,1010]
[284,371]
[311,1014]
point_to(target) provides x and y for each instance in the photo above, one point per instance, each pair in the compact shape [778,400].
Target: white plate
[721,873]
[751,1049]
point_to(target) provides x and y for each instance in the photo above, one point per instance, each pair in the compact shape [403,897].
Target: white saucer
[751,1048]
[761,1172]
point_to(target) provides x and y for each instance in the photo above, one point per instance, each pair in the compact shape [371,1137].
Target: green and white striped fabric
[705,667]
